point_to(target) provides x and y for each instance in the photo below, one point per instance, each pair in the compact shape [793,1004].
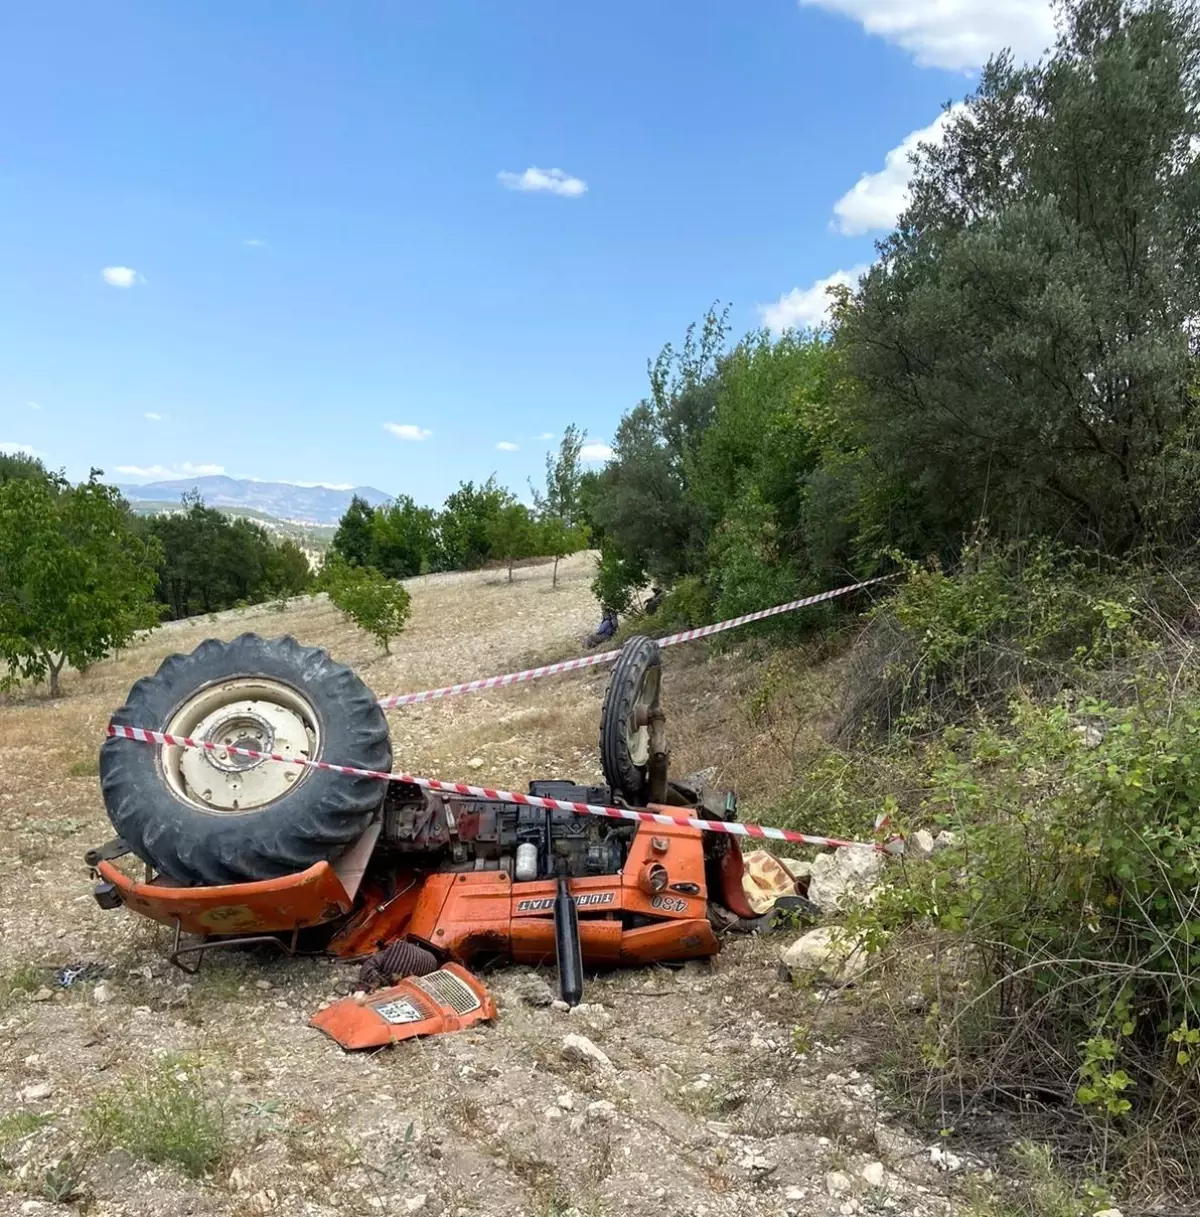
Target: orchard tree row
[476,526]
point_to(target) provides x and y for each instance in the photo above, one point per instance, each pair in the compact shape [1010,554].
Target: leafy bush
[372,601]
[1050,723]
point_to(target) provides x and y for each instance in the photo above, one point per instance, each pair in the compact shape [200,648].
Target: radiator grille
[449,990]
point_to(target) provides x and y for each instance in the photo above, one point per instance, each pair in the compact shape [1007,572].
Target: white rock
[264,985]
[102,994]
[601,1111]
[560,1005]
[835,957]
[799,868]
[43,994]
[566,1102]
[943,1159]
[1090,736]
[476,762]
[37,1092]
[944,840]
[1109,1213]
[581,1050]
[920,844]
[554,1113]
[794,1193]
[414,1204]
[844,875]
[757,1164]
[873,1173]
[837,1183]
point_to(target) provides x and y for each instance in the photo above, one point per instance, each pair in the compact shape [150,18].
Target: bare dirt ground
[709,1102]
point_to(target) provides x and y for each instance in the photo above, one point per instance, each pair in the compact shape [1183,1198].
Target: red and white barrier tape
[729,827]
[590,661]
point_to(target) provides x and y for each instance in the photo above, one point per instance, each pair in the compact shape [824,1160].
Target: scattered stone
[476,762]
[873,1173]
[601,1111]
[264,985]
[759,1165]
[838,1183]
[43,994]
[943,1159]
[415,1204]
[578,1049]
[38,1092]
[794,1193]
[34,1206]
[534,991]
[848,875]
[836,958]
[1109,1213]
[554,1113]
[102,994]
[944,840]
[566,1102]
[920,844]
[560,1006]
[799,868]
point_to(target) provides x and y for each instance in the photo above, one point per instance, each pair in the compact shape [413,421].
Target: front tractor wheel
[211,816]
[632,699]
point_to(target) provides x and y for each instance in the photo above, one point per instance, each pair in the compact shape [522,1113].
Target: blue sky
[401,244]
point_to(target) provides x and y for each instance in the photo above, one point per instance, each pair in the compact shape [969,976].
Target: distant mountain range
[281,500]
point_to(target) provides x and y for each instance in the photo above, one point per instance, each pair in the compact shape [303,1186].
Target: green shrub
[375,603]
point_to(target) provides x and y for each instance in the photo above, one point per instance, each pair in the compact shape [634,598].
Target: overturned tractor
[419,884]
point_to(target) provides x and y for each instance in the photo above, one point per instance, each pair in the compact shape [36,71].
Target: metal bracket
[200,949]
[108,852]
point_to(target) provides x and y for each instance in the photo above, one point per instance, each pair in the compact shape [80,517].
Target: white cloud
[255,243]
[545,435]
[158,473]
[34,405]
[121,276]
[547,181]
[407,431]
[958,35]
[507,446]
[595,453]
[154,416]
[18,449]
[807,307]
[877,199]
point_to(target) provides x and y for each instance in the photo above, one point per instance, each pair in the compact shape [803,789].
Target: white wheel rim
[252,712]
[637,739]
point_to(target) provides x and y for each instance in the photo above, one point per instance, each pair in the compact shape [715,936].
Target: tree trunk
[554,579]
[55,668]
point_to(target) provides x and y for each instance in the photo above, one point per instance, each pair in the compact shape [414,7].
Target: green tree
[564,474]
[1025,345]
[557,538]
[353,538]
[511,534]
[18,465]
[404,539]
[288,572]
[375,603]
[465,523]
[76,580]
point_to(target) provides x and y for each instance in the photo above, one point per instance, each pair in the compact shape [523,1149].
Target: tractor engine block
[459,833]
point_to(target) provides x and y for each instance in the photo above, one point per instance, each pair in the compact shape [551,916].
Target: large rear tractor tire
[634,691]
[212,817]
